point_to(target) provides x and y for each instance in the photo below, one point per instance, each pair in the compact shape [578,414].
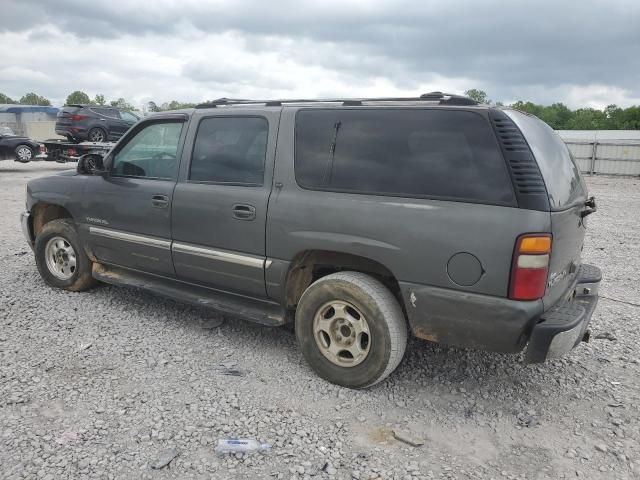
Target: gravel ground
[101,384]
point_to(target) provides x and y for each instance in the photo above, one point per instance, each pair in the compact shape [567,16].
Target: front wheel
[61,261]
[24,153]
[351,329]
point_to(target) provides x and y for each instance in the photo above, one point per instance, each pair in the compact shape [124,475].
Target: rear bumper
[498,324]
[563,327]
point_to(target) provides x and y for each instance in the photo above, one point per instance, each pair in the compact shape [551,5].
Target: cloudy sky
[582,53]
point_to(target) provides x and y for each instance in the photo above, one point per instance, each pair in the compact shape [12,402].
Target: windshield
[6,132]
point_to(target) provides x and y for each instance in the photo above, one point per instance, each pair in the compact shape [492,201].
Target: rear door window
[230,150]
[562,178]
[433,153]
[106,112]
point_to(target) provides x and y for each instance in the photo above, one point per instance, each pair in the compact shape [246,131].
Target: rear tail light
[530,267]
[71,152]
[77,118]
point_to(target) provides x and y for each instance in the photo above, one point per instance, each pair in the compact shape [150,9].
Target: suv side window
[230,150]
[129,117]
[150,153]
[107,112]
[433,153]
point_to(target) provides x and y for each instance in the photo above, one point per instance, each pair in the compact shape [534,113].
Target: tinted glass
[66,111]
[561,175]
[433,153]
[230,150]
[151,153]
[129,117]
[107,112]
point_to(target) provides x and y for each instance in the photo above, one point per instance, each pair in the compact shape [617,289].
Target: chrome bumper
[26,229]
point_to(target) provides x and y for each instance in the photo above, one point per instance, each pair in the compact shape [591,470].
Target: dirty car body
[465,220]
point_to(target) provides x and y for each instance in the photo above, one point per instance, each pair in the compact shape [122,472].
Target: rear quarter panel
[413,238]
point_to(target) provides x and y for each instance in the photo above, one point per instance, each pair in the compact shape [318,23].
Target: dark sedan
[15,147]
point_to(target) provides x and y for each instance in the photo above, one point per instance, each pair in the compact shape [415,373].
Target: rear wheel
[351,329]
[97,135]
[61,261]
[24,153]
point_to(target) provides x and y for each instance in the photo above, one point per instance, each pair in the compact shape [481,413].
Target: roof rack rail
[441,98]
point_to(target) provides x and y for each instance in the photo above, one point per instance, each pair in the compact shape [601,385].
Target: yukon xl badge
[96,220]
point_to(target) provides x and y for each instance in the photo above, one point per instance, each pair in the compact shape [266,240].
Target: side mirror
[91,164]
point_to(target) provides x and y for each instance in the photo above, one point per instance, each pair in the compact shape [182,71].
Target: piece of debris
[606,336]
[408,438]
[601,447]
[67,437]
[615,405]
[19,254]
[527,420]
[165,458]
[211,323]
[85,346]
[234,372]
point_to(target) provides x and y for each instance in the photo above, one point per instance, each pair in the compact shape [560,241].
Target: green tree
[122,104]
[477,95]
[99,100]
[78,97]
[34,99]
[6,99]
[175,105]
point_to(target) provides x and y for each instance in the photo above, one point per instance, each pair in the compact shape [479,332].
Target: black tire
[24,153]
[386,324]
[97,134]
[81,278]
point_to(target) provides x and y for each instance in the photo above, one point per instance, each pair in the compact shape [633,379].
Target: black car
[93,123]
[12,146]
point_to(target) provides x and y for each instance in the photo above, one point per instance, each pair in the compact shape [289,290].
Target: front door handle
[160,201]
[242,211]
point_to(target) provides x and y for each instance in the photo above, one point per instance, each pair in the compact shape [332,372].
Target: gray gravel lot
[100,384]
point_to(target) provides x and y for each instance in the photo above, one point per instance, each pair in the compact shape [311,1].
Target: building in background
[33,121]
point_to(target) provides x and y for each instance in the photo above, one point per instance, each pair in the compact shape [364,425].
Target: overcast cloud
[582,53]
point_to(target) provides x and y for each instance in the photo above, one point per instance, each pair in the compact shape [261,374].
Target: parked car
[359,220]
[12,146]
[93,123]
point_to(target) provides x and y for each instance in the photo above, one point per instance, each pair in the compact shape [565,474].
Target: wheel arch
[43,213]
[310,265]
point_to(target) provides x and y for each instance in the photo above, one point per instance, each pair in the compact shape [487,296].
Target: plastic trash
[242,445]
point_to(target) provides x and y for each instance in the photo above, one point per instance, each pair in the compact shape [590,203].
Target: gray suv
[93,123]
[359,220]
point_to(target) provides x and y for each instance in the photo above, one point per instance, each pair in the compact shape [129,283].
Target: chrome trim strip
[130,237]
[247,261]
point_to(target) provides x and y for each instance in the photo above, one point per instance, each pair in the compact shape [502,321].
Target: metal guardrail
[609,157]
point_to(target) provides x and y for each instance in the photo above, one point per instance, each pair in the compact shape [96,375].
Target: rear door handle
[242,211]
[160,201]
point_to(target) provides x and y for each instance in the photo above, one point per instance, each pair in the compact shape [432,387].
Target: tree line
[561,117]
[557,115]
[80,97]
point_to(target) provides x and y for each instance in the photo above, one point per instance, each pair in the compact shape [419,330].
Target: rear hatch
[65,116]
[568,201]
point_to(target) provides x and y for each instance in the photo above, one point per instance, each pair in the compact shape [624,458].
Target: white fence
[610,157]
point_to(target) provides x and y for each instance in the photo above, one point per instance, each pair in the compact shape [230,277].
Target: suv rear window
[562,178]
[434,153]
[65,111]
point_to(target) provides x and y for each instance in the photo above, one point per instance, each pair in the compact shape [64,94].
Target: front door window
[151,153]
